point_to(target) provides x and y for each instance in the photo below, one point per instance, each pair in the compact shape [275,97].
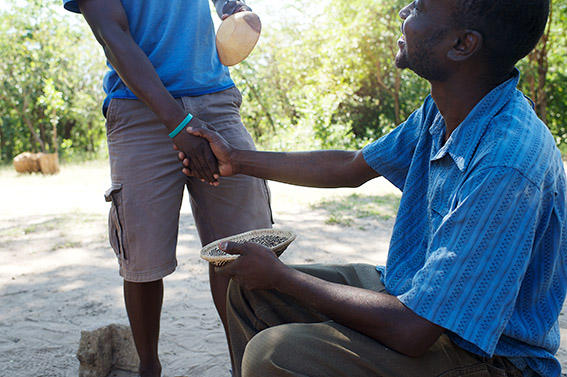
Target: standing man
[477,268]
[164,75]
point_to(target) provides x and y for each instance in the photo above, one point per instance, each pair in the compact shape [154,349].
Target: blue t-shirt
[179,39]
[479,243]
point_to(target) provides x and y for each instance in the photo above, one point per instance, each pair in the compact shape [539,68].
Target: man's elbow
[108,35]
[106,24]
[415,349]
[415,342]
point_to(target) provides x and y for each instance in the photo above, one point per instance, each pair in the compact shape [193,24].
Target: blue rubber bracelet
[183,123]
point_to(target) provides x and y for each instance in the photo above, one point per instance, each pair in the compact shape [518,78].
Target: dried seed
[268,240]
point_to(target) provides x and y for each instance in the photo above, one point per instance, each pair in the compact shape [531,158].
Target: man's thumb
[232,247]
[203,132]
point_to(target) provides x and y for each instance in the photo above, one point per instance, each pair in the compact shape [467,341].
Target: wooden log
[49,163]
[27,162]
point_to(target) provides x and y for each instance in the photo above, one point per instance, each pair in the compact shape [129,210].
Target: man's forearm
[109,24]
[378,315]
[131,64]
[331,168]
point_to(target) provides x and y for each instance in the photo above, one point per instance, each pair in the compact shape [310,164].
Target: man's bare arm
[324,168]
[331,168]
[109,24]
[378,315]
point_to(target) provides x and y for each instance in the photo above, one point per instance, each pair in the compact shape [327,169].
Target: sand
[58,275]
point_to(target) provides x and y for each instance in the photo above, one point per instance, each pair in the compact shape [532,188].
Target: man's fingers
[187,172]
[196,166]
[208,162]
[204,170]
[212,164]
[230,247]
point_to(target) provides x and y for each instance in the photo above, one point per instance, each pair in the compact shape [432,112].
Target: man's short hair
[510,28]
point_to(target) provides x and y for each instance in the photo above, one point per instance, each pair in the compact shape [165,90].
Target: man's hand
[200,160]
[257,267]
[231,7]
[221,149]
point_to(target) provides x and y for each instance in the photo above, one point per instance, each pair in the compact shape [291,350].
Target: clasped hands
[213,157]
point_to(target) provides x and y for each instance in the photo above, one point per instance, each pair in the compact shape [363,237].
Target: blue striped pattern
[479,244]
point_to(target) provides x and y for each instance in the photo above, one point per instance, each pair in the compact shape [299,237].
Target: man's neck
[456,97]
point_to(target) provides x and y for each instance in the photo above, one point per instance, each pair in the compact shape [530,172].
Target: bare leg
[219,285]
[143,304]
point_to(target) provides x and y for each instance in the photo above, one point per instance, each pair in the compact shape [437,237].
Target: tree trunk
[2,145]
[29,125]
[538,60]
[256,95]
[54,134]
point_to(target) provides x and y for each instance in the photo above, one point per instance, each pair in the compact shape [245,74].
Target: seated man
[476,271]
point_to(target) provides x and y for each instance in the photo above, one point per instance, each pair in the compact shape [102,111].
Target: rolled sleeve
[478,256]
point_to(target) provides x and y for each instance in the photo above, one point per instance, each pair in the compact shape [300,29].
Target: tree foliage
[323,76]
[50,82]
[545,73]
[330,80]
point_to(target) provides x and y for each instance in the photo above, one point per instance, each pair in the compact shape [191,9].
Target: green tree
[50,80]
[329,80]
[545,72]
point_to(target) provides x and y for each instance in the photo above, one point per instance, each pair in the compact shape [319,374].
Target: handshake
[208,159]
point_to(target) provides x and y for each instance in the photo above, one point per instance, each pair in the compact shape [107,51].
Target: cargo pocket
[116,233]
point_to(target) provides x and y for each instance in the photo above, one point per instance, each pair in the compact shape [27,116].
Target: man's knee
[233,294]
[270,352]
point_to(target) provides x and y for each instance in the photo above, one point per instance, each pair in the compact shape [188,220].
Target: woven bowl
[212,254]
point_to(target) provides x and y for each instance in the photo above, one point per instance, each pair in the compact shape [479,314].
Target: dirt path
[58,275]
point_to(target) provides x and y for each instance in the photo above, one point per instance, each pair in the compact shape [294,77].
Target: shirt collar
[463,141]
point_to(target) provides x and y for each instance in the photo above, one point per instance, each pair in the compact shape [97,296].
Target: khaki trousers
[272,335]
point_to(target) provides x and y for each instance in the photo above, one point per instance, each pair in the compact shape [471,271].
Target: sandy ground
[58,275]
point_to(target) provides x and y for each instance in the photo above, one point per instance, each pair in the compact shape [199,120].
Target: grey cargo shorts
[147,186]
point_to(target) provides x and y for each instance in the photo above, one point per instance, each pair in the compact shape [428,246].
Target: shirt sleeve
[71,5]
[391,155]
[478,256]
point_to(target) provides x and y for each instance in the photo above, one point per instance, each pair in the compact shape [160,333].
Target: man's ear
[467,43]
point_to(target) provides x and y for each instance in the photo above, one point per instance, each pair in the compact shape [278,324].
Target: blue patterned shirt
[479,243]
